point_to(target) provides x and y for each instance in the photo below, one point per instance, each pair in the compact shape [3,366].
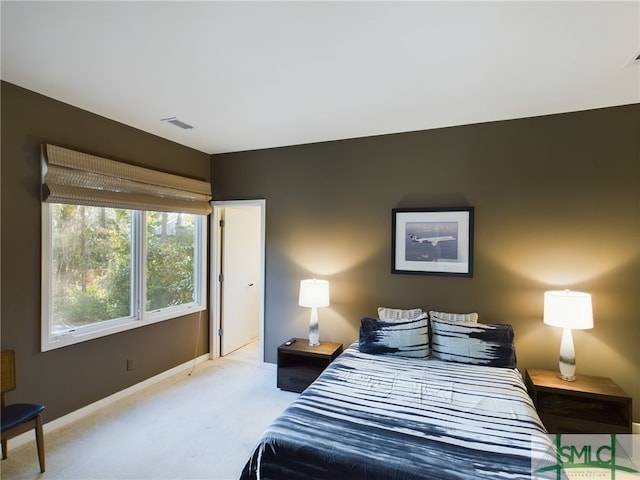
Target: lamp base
[567,361]
[314,336]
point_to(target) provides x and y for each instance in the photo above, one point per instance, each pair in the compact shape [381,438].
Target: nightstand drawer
[562,424]
[299,364]
[298,377]
[588,405]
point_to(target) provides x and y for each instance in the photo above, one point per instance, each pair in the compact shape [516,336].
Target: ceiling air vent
[177,123]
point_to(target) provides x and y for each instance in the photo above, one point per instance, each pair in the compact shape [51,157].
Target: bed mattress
[396,418]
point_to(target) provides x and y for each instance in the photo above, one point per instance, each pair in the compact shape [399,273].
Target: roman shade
[78,178]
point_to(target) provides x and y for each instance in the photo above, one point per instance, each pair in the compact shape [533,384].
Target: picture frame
[432,241]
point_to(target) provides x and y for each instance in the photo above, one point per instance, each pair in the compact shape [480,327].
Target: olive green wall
[72,377]
[557,205]
[557,202]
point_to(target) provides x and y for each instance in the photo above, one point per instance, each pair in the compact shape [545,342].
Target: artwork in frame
[432,241]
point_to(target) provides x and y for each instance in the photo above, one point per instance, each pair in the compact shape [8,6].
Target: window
[107,270]
[122,246]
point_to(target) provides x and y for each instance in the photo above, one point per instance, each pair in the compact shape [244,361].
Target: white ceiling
[251,75]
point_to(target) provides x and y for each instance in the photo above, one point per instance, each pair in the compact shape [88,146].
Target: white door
[240,282]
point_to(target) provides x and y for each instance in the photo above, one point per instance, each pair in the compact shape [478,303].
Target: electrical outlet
[130,364]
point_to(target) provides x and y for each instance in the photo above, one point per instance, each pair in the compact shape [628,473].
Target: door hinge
[219,332]
[220,278]
[221,223]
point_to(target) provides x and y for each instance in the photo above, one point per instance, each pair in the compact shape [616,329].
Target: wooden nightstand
[299,364]
[588,405]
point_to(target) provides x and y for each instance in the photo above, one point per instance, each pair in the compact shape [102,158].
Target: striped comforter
[386,417]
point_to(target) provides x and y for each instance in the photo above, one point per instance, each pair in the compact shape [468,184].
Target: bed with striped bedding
[388,417]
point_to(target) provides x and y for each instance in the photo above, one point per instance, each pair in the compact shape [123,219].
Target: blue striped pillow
[454,317]
[473,343]
[408,338]
[397,314]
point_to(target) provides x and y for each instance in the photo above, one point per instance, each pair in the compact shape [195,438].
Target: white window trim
[140,318]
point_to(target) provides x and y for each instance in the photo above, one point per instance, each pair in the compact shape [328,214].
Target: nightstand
[588,405]
[299,364]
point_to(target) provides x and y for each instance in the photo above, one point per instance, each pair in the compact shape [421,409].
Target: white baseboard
[95,406]
[636,428]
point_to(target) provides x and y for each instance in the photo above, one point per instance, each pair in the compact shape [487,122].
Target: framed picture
[432,241]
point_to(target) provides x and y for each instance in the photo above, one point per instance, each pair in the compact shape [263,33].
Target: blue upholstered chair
[18,418]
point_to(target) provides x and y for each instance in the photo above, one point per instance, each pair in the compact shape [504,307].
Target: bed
[389,416]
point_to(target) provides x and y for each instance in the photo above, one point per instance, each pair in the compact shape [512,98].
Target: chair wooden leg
[40,442]
[4,448]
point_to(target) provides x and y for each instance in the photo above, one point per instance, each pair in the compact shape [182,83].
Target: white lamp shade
[566,309]
[314,293]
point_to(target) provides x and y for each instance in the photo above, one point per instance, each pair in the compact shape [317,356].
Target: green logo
[590,456]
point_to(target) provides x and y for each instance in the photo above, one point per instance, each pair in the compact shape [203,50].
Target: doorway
[237,276]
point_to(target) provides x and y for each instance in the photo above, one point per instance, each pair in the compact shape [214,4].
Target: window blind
[81,179]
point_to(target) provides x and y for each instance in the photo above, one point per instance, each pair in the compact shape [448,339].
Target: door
[240,281]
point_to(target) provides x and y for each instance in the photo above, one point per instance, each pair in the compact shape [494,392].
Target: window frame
[140,317]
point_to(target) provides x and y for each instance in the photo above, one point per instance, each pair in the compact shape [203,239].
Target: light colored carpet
[201,426]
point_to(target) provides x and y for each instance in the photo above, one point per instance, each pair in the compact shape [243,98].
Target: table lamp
[314,293]
[568,310]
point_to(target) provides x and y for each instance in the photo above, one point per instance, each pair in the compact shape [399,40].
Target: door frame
[215,287]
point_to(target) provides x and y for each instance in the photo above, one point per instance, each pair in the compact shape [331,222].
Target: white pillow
[397,314]
[454,317]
